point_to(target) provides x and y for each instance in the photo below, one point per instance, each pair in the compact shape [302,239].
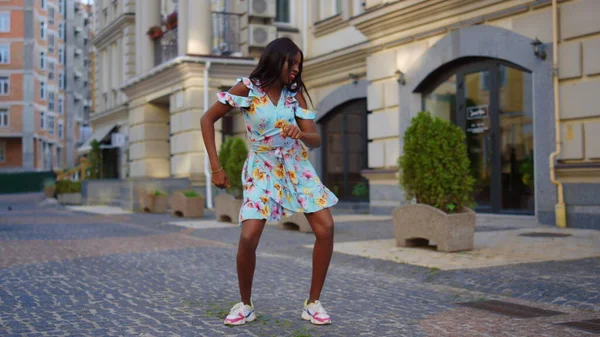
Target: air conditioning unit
[261,35]
[261,8]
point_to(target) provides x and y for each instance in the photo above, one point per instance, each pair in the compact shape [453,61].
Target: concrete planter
[227,208]
[187,207]
[151,203]
[417,224]
[70,198]
[49,191]
[296,221]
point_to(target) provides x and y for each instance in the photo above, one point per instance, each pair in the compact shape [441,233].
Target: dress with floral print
[278,179]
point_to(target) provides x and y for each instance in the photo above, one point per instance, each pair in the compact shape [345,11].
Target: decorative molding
[329,25]
[112,31]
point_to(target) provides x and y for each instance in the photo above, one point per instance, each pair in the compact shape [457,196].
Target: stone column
[195,27]
[147,15]
[149,141]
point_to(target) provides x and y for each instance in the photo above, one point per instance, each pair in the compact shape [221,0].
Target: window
[3,118]
[61,81]
[338,6]
[283,11]
[4,53]
[60,132]
[51,15]
[60,31]
[43,90]
[61,55]
[43,60]
[50,43]
[4,85]
[43,30]
[51,101]
[51,125]
[61,7]
[43,4]
[2,152]
[51,71]
[59,154]
[42,120]
[4,22]
[61,104]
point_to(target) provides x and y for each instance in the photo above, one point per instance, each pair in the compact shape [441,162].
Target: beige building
[486,65]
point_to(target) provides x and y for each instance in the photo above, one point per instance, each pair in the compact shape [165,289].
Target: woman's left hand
[291,131]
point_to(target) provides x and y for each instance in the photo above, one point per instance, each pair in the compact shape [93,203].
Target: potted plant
[435,172]
[153,201]
[232,156]
[69,192]
[188,203]
[49,188]
[171,21]
[155,32]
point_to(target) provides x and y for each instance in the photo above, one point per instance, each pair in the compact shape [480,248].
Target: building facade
[37,131]
[486,65]
[77,93]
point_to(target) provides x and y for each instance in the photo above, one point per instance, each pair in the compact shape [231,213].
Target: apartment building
[486,65]
[77,81]
[37,131]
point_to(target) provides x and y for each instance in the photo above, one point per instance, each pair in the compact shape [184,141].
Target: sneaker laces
[318,308]
[239,307]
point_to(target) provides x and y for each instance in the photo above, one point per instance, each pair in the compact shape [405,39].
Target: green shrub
[360,190]
[232,156]
[157,192]
[435,167]
[68,186]
[49,183]
[191,193]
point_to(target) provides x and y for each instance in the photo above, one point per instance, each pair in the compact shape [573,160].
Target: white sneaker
[315,313]
[240,314]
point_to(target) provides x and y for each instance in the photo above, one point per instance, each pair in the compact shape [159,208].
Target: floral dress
[277,178]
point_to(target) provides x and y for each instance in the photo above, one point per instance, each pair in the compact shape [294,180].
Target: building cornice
[103,114]
[112,31]
[176,70]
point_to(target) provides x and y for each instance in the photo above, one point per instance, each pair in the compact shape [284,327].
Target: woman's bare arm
[309,135]
[210,117]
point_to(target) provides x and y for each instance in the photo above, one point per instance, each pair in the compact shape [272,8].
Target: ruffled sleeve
[301,112]
[233,100]
[238,101]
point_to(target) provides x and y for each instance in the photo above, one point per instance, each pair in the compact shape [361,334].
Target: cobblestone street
[67,273]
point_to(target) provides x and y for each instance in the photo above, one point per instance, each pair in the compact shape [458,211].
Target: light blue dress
[278,179]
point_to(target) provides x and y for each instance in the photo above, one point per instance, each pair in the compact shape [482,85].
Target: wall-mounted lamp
[354,77]
[400,77]
[539,49]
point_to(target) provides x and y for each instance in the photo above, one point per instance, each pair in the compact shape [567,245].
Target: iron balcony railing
[226,33]
[165,47]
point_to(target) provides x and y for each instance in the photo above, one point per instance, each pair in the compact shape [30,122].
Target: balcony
[226,33]
[165,47]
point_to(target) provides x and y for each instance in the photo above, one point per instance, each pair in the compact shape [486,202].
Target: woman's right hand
[220,179]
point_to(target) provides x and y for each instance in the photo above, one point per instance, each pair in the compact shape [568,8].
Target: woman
[278,178]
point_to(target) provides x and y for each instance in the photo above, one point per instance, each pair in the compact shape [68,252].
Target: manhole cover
[510,309]
[592,325]
[545,235]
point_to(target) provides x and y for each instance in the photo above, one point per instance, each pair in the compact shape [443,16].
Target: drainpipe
[207,172]
[559,209]
[304,26]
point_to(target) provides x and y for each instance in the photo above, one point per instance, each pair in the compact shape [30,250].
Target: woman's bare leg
[246,256]
[322,225]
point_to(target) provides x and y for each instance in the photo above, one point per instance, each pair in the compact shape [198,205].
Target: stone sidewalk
[70,273]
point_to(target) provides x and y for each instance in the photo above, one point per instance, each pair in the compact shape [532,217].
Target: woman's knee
[250,235]
[323,230]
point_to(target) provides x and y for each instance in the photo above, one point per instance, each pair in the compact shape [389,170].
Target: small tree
[435,166]
[232,157]
[95,161]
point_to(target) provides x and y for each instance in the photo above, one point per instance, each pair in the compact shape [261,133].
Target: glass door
[475,111]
